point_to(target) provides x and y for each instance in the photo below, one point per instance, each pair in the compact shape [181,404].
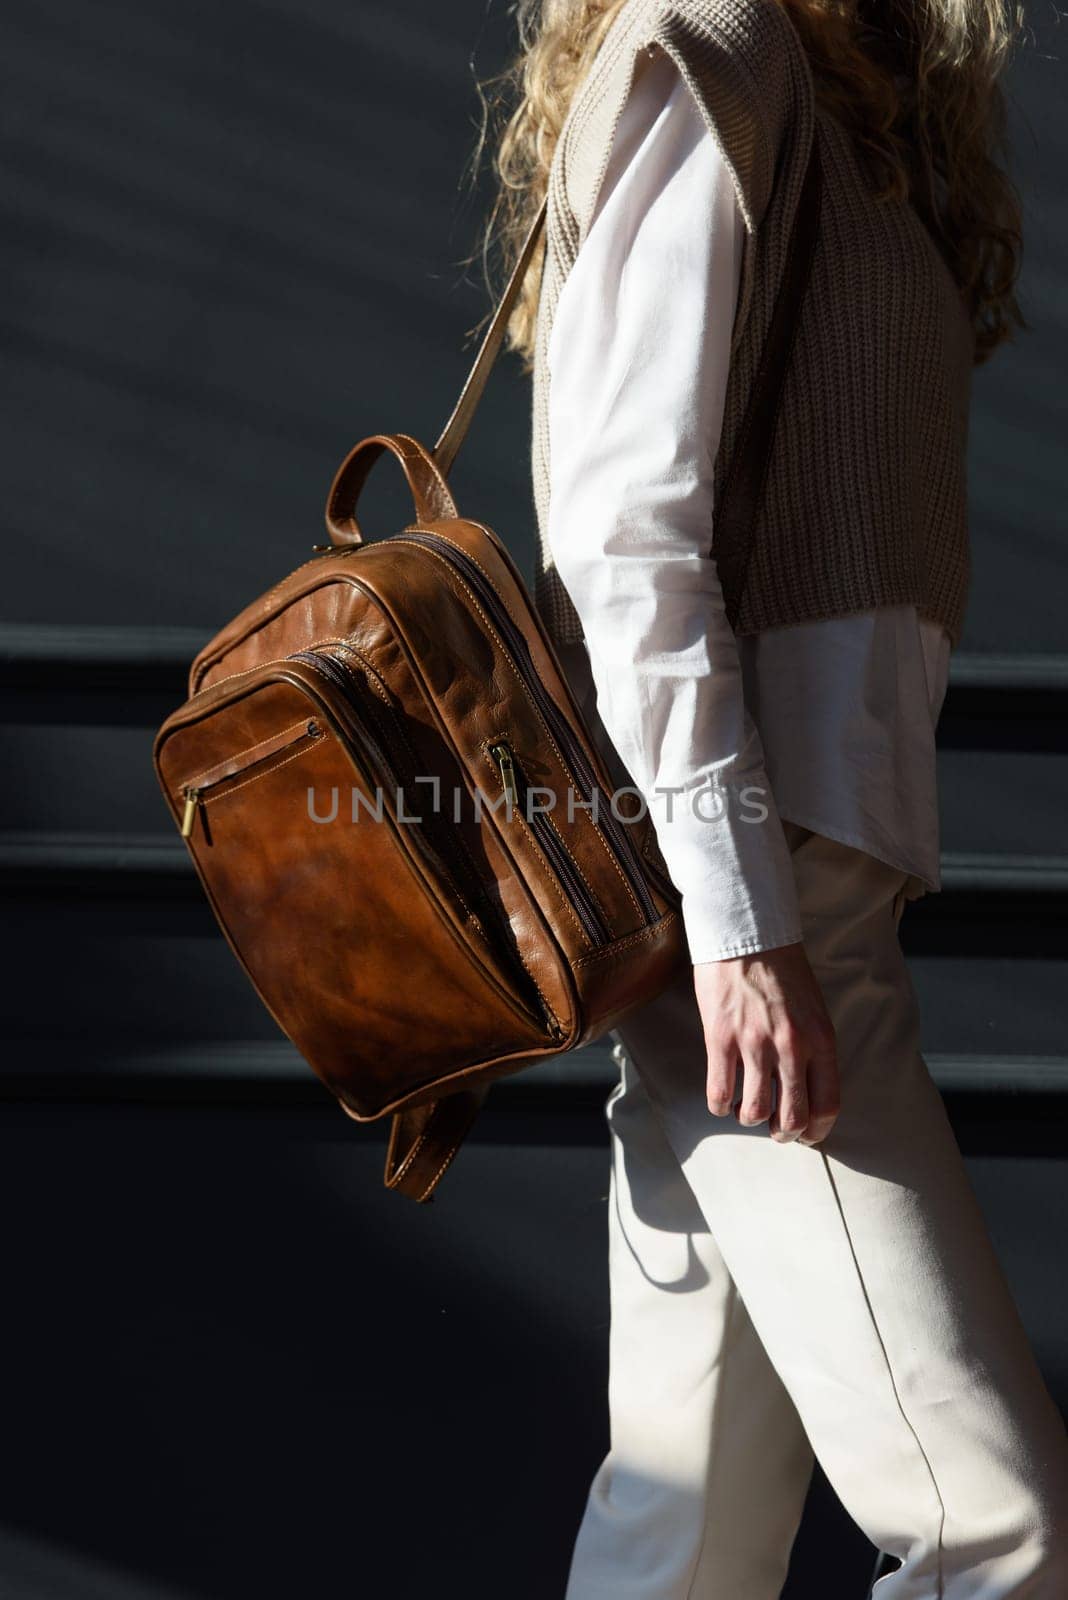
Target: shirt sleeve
[638,358]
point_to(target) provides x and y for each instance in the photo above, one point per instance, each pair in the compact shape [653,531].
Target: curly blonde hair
[916,81]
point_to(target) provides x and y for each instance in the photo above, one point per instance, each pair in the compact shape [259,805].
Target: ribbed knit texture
[866,499]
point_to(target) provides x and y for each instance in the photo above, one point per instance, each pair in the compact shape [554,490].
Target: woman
[798,1265]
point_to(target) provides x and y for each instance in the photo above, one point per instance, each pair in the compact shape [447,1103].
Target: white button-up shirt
[829,723]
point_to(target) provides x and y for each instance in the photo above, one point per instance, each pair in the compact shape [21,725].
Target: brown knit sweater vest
[865,502]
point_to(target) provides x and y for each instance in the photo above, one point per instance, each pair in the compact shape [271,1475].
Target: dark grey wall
[231,241]
[232,237]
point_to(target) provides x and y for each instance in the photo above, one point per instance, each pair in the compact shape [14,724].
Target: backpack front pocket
[365,938]
[246,766]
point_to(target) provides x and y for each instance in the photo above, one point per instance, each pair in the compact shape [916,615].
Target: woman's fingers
[823,1090]
[764,1016]
[721,1077]
[759,1061]
[790,1118]
[805,1107]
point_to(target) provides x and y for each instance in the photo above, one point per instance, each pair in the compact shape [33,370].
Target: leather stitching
[243,638]
[432,1185]
[426,460]
[526,692]
[595,826]
[217,799]
[192,782]
[550,875]
[578,867]
[643,934]
[381,691]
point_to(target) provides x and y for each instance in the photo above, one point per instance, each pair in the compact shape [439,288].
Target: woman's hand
[765,1014]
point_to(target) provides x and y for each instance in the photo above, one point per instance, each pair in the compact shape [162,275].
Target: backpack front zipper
[584,781]
[386,738]
[200,789]
[560,859]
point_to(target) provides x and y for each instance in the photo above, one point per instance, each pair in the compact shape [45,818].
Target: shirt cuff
[724,847]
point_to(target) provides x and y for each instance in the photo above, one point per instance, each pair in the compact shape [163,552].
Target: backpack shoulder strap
[452,435]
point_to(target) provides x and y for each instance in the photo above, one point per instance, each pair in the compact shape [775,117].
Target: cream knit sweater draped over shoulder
[865,502]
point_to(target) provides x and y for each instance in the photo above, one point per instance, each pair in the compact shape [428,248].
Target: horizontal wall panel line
[1006,873]
[266,1069]
[102,860]
[78,645]
[47,647]
[96,676]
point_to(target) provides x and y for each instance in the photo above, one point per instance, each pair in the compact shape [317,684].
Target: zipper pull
[503,757]
[189,815]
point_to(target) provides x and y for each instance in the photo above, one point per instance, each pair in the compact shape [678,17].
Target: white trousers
[771,1302]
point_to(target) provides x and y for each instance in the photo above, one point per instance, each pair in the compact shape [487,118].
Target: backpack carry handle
[429,489]
[423,1140]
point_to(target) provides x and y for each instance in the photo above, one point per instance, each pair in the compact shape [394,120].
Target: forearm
[665,667]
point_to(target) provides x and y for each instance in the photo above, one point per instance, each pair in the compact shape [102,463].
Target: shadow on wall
[235,239]
[243,1368]
[237,1366]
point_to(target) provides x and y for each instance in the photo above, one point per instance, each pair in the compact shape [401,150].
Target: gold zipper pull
[503,757]
[189,815]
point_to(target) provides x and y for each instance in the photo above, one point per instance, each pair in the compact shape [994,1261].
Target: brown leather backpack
[404,828]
